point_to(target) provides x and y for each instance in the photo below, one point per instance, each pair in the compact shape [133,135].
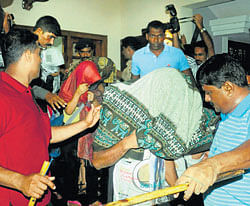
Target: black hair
[131,42]
[16,42]
[221,68]
[201,44]
[2,15]
[84,43]
[156,25]
[48,24]
[188,49]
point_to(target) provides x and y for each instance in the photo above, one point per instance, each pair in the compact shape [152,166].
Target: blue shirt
[233,130]
[144,61]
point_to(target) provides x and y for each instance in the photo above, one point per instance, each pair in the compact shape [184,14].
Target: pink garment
[85,72]
[73,202]
[84,147]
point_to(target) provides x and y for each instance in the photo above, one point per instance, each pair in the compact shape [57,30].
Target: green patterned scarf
[166,111]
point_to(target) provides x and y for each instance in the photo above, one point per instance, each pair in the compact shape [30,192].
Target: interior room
[106,23]
[116,19]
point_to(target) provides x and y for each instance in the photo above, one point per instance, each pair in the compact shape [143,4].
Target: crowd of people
[121,133]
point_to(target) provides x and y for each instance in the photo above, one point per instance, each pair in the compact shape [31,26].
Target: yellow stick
[168,191]
[43,172]
[149,196]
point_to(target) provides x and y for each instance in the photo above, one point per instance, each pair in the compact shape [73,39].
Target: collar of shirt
[14,83]
[240,110]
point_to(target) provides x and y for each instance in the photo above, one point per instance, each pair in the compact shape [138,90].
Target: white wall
[95,16]
[229,9]
[136,14]
[114,18]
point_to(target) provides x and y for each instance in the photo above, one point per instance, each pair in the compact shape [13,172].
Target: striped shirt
[233,130]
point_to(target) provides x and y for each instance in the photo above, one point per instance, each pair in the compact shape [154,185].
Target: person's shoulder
[5,92]
[173,49]
[139,52]
[86,63]
[102,59]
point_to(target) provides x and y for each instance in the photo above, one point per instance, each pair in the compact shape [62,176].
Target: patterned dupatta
[165,110]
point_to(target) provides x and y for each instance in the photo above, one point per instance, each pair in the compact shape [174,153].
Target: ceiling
[232,9]
[204,3]
[223,9]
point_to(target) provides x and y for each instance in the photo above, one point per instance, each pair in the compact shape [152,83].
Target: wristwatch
[203,29]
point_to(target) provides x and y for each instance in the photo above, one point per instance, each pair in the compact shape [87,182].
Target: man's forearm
[10,179]
[204,34]
[238,158]
[176,42]
[64,132]
[209,43]
[110,156]
[170,172]
[71,106]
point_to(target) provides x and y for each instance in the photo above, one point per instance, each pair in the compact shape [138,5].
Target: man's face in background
[86,53]
[200,55]
[45,38]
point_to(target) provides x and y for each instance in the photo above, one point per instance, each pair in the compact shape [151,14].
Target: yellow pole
[149,196]
[168,191]
[43,172]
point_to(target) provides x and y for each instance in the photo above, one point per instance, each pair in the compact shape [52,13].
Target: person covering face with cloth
[167,124]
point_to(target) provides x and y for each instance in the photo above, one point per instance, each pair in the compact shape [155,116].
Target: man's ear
[248,79]
[130,50]
[38,31]
[147,36]
[228,88]
[27,55]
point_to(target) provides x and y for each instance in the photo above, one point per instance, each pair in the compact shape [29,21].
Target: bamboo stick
[168,191]
[43,172]
[149,196]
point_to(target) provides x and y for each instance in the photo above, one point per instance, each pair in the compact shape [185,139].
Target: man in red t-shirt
[25,131]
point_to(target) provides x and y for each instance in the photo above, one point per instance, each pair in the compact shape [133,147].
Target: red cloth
[85,72]
[24,136]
